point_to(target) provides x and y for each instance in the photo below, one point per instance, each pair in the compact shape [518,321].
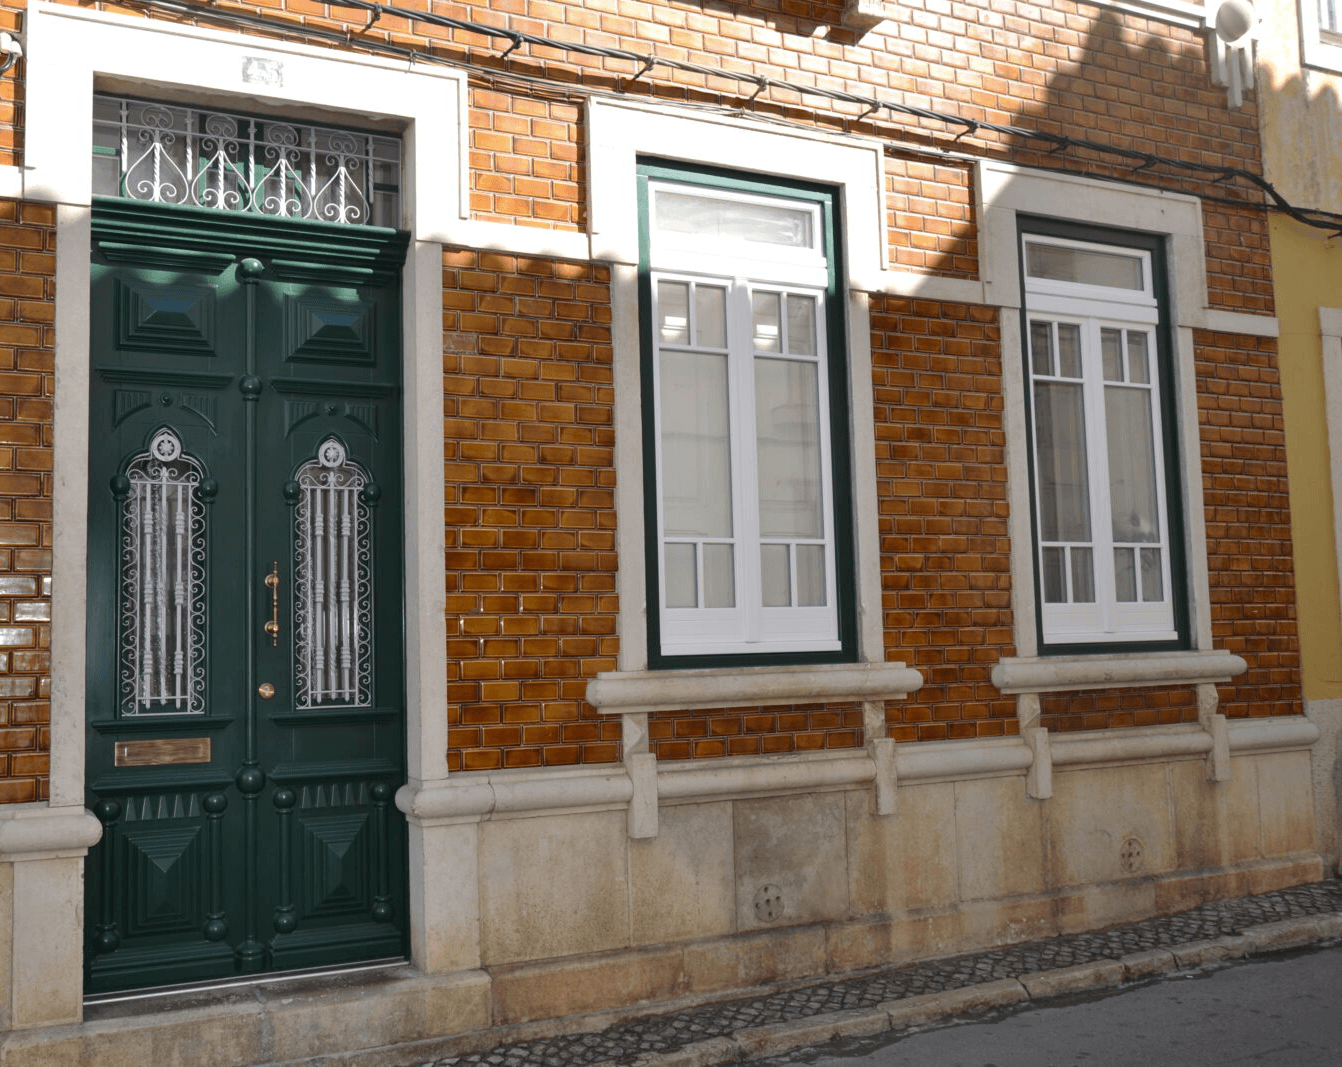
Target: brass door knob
[265,690]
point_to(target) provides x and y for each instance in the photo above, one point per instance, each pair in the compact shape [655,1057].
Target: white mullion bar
[144,499]
[346,622]
[161,585]
[316,621]
[744,464]
[179,596]
[332,604]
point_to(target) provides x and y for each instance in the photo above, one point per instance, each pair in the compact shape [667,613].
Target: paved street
[1282,1012]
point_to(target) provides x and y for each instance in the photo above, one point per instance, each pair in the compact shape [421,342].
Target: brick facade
[27,292]
[529,464]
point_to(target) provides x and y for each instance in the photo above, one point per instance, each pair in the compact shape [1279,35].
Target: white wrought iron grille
[167,154]
[163,583]
[332,583]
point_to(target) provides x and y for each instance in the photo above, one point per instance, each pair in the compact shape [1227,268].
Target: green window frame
[747,514]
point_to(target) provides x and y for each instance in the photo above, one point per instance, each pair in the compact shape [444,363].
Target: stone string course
[742,1030]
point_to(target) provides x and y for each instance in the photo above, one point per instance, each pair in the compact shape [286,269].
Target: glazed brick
[530,564]
[25,499]
[941,495]
[1250,563]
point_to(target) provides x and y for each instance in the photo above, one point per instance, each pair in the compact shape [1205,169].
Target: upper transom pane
[1085,266]
[201,157]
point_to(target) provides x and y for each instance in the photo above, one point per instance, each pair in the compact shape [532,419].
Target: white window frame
[747,627]
[1093,309]
[1320,46]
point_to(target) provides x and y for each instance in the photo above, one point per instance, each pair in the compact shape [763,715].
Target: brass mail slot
[160,753]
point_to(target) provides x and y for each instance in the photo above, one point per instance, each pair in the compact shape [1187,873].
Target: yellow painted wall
[1307,274]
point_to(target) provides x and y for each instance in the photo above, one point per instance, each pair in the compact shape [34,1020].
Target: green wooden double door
[245,671]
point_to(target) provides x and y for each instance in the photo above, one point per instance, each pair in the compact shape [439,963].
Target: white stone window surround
[71,52]
[1006,191]
[1319,46]
[621,132]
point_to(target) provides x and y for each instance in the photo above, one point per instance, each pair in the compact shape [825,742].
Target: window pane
[1054,576]
[696,454]
[1086,266]
[1064,485]
[810,575]
[787,427]
[679,575]
[1069,350]
[801,325]
[708,216]
[1125,576]
[719,577]
[710,316]
[1139,369]
[1111,354]
[1153,583]
[765,319]
[673,312]
[775,586]
[1041,348]
[1132,464]
[1083,576]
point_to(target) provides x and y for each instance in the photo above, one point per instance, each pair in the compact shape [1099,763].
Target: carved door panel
[245,672]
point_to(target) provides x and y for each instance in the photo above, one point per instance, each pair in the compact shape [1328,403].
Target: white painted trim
[11,183]
[70,50]
[1330,336]
[1318,48]
[1068,673]
[1006,191]
[69,504]
[516,240]
[1272,735]
[1240,322]
[629,693]
[426,593]
[1179,12]
[932,287]
[620,131]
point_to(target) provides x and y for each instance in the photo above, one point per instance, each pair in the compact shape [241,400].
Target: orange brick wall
[1244,489]
[941,490]
[529,451]
[27,281]
[530,520]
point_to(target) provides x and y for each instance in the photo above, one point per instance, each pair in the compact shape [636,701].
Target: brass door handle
[273,623]
[265,690]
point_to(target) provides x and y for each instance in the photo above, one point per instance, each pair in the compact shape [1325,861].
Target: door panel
[246,436]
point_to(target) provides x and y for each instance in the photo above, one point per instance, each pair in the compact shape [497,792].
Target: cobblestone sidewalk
[646,1037]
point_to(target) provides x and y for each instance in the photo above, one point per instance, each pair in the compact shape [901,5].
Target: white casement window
[1105,566]
[744,551]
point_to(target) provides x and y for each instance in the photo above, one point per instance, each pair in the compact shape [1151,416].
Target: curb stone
[1098,975]
[775,1022]
[1196,953]
[974,998]
[782,1037]
[1138,965]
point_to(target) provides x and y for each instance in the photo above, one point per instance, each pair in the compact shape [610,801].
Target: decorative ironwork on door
[162,581]
[332,589]
[167,154]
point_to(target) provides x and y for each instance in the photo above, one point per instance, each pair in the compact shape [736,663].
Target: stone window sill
[1055,674]
[644,692]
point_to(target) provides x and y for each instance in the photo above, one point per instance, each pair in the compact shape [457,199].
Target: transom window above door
[198,157]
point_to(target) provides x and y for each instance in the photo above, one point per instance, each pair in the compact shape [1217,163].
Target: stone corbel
[860,16]
[641,764]
[1218,759]
[1232,28]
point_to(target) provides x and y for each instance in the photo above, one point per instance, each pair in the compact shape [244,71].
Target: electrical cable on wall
[645,63]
